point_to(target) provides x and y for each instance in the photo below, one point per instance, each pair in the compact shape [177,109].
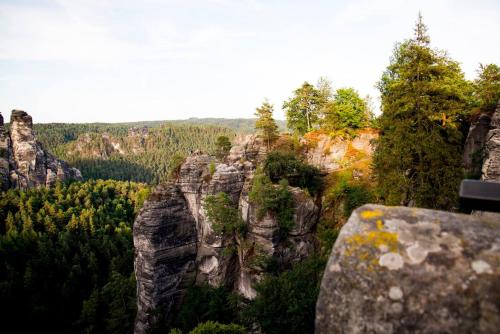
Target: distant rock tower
[23,161]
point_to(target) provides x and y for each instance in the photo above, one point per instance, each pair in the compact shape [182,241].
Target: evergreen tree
[302,110]
[424,95]
[265,123]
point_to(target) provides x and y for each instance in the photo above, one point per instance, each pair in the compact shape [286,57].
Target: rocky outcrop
[477,138]
[263,243]
[104,146]
[176,245]
[332,154]
[23,161]
[165,240]
[247,148]
[491,165]
[407,270]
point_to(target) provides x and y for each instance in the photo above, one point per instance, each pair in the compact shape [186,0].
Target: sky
[121,60]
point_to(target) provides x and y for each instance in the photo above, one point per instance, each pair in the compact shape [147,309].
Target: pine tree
[424,95]
[265,123]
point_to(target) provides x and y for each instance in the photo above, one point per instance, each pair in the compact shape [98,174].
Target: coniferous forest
[67,254]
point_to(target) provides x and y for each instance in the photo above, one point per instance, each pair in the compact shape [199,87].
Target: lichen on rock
[433,272]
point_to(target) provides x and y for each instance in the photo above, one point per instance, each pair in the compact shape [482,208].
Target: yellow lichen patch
[380,224]
[366,246]
[370,214]
[374,239]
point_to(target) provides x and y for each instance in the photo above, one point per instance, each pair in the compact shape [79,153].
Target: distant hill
[239,125]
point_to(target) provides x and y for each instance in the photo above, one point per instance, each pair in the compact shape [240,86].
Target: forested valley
[142,152]
[67,254]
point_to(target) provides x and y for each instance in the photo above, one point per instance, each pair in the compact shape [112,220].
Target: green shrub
[279,165]
[211,327]
[224,216]
[175,166]
[223,146]
[204,303]
[274,199]
[211,168]
[286,303]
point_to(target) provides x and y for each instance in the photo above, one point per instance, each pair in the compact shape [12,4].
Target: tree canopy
[424,96]
[347,110]
[302,109]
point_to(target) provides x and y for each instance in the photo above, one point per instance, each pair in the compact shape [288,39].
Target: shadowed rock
[406,270]
[165,264]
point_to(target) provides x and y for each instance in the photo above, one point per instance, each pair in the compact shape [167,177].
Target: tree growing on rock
[424,95]
[347,110]
[266,124]
[302,110]
[223,146]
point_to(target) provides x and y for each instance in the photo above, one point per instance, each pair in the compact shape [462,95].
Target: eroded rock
[491,165]
[23,161]
[165,254]
[331,154]
[407,270]
[164,265]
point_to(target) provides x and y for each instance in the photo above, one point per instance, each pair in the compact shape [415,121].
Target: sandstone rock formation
[176,245]
[247,147]
[331,154]
[23,161]
[491,165]
[103,145]
[165,242]
[407,270]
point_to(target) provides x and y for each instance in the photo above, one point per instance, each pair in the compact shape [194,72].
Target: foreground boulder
[406,270]
[23,161]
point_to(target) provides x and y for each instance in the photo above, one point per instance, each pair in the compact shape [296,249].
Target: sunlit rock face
[164,266]
[407,270]
[23,161]
[331,154]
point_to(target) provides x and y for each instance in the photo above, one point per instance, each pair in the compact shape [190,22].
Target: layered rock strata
[407,270]
[23,161]
[176,245]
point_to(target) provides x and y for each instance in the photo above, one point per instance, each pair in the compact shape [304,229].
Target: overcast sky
[115,61]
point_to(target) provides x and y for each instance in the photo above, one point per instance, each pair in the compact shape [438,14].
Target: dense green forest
[110,151]
[142,157]
[66,257]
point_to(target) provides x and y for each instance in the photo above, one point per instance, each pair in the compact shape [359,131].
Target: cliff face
[332,154]
[23,161]
[491,165]
[177,247]
[480,145]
